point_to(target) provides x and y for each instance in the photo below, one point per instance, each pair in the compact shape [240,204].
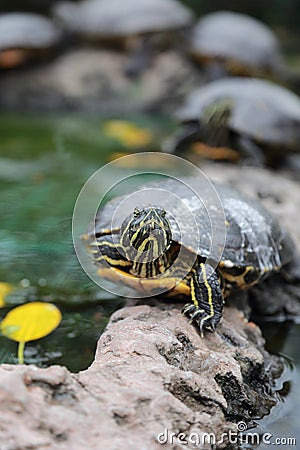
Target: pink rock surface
[152,372]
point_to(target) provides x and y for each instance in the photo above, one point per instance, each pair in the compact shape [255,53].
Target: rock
[93,80]
[152,376]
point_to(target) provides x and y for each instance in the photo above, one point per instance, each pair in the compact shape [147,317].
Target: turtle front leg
[206,294]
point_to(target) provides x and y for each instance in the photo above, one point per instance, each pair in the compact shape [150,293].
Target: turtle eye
[136,212]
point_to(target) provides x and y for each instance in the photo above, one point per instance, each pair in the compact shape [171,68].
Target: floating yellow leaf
[33,321]
[127,133]
[30,322]
[5,289]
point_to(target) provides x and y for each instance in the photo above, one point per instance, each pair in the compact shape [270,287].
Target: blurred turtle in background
[138,26]
[229,43]
[239,119]
[25,37]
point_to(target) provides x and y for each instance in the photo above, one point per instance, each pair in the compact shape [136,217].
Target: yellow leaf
[5,289]
[117,155]
[127,133]
[30,321]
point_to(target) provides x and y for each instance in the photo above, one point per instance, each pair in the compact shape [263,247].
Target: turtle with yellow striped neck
[140,251]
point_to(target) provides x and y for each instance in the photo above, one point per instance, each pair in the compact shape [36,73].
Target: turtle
[232,43]
[26,36]
[257,118]
[147,251]
[139,26]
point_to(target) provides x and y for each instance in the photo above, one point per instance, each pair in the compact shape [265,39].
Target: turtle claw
[188,309]
[196,314]
[200,317]
[206,323]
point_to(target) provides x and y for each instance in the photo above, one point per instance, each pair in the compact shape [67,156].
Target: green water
[42,169]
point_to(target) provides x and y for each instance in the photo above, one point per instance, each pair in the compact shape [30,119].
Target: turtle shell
[260,109]
[114,18]
[27,31]
[253,236]
[238,39]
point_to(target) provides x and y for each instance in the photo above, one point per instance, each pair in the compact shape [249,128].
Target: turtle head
[146,234]
[218,113]
[215,122]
